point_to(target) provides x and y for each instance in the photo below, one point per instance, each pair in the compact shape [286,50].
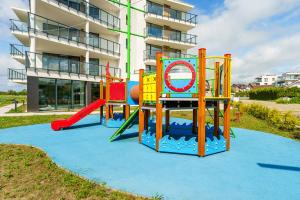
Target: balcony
[20,30]
[17,51]
[158,14]
[45,65]
[17,75]
[79,11]
[173,39]
[150,56]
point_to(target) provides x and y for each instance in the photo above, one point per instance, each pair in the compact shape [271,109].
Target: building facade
[266,80]
[66,45]
[289,79]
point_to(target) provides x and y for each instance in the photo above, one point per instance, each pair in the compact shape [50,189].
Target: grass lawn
[20,109]
[28,173]
[7,99]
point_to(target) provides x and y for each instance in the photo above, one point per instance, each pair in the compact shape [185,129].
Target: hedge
[273,93]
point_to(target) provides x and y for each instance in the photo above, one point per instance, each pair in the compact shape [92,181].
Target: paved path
[7,108]
[294,108]
[258,166]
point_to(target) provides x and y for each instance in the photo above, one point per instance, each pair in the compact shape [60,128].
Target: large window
[63,94]
[94,66]
[155,8]
[47,94]
[95,91]
[154,30]
[61,63]
[78,94]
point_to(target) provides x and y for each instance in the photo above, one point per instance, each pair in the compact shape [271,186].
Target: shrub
[284,100]
[273,93]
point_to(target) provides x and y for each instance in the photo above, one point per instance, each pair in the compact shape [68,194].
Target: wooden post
[217,104]
[159,66]
[127,111]
[141,113]
[194,121]
[167,118]
[101,97]
[227,93]
[201,102]
[147,115]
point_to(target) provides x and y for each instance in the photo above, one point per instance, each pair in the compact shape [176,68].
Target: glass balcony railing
[17,50]
[171,35]
[44,26]
[64,64]
[170,14]
[151,55]
[92,11]
[16,25]
[17,74]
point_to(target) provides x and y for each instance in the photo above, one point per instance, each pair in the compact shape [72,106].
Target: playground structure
[198,84]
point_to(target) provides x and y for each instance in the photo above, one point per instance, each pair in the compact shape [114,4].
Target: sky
[263,36]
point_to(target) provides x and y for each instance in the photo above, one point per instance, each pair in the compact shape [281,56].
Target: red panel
[117,91]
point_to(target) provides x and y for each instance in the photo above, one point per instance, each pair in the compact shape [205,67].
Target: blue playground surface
[258,166]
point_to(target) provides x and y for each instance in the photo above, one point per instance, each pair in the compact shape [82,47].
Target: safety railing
[170,14]
[47,27]
[17,50]
[171,35]
[70,65]
[90,10]
[17,74]
[19,26]
[151,54]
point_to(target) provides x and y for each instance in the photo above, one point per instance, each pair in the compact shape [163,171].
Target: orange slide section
[60,124]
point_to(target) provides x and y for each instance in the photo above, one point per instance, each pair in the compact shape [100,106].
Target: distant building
[289,79]
[266,80]
[240,87]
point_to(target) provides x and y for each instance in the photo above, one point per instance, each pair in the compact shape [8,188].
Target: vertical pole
[201,102]
[107,96]
[127,112]
[167,120]
[158,103]
[141,113]
[101,97]
[128,37]
[227,93]
[194,121]
[217,104]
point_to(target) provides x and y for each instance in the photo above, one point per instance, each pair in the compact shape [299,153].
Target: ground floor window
[95,90]
[57,94]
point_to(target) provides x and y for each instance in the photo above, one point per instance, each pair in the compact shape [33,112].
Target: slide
[60,124]
[126,124]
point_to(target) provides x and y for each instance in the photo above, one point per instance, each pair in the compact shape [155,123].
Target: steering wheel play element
[189,85]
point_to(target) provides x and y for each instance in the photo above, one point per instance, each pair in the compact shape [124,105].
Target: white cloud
[263,36]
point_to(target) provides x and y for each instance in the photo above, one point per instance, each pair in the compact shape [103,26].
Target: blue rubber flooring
[259,165]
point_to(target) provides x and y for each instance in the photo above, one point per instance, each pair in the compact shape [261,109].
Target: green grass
[8,99]
[28,173]
[20,109]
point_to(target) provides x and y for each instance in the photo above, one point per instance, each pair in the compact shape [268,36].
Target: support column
[159,63]
[201,102]
[194,121]
[127,112]
[87,53]
[32,94]
[217,103]
[141,113]
[227,93]
[167,116]
[101,97]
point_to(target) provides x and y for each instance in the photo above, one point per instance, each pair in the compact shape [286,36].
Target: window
[94,66]
[265,79]
[47,94]
[78,94]
[154,8]
[151,51]
[154,30]
[95,91]
[273,79]
[150,68]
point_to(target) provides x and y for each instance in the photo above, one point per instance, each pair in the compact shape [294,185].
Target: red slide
[65,123]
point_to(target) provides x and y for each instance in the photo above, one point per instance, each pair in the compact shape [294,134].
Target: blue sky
[263,36]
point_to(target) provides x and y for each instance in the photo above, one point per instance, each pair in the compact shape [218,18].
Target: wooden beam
[217,103]
[141,113]
[227,93]
[159,66]
[201,101]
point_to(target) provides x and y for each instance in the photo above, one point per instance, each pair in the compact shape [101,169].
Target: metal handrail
[16,25]
[17,74]
[151,54]
[172,36]
[48,27]
[35,61]
[90,10]
[172,14]
[17,50]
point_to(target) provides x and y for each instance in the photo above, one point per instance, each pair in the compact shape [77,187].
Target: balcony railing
[90,10]
[63,32]
[16,25]
[17,50]
[171,35]
[52,63]
[17,74]
[151,55]
[170,14]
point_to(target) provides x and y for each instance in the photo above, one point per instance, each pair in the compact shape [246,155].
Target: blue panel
[149,139]
[215,145]
[131,84]
[182,146]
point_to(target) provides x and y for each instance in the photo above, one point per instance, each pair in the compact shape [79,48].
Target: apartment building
[66,44]
[266,80]
[289,79]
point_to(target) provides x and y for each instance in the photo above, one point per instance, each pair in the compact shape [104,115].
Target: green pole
[128,37]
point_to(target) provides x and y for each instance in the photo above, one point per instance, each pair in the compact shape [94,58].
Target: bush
[283,121]
[284,100]
[273,93]
[242,94]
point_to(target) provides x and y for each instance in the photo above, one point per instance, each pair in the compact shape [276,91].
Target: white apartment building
[66,44]
[289,79]
[266,80]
